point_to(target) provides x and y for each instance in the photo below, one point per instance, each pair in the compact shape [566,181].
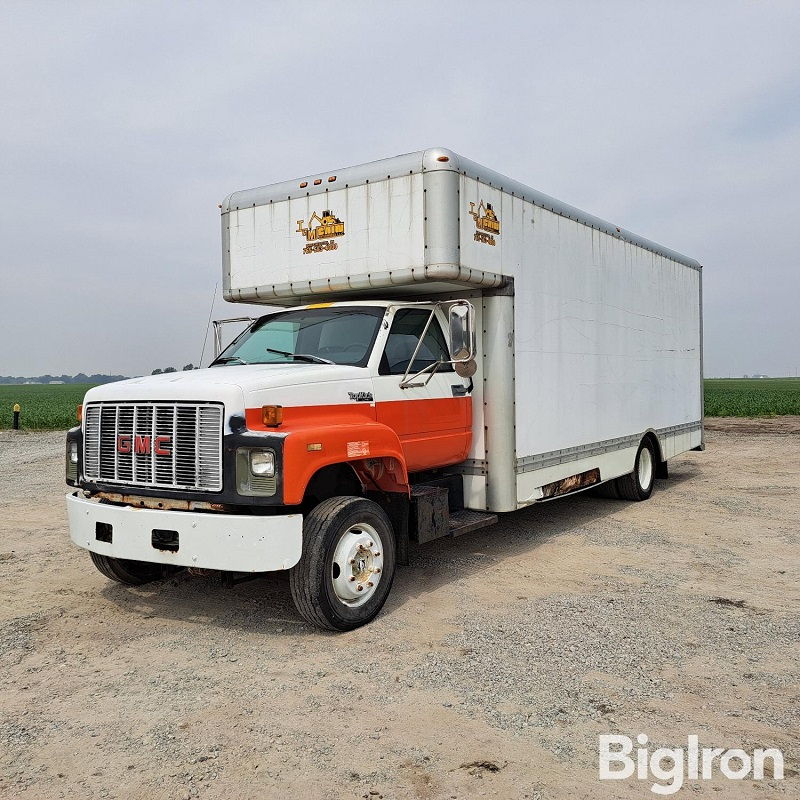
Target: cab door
[433,416]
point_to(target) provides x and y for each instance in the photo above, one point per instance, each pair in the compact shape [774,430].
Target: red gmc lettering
[158,449]
[141,445]
[123,443]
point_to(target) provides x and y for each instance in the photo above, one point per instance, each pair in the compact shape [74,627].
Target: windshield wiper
[227,360]
[300,356]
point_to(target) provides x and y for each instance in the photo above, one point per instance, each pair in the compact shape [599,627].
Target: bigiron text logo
[486,221]
[321,231]
[670,766]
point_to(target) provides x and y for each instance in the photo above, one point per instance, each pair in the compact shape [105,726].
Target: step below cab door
[432,416]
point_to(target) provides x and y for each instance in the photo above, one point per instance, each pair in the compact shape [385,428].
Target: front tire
[639,484]
[130,573]
[346,570]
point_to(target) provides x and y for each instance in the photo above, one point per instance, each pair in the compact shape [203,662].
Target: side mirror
[462,331]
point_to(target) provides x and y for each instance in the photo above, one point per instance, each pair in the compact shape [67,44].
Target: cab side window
[406,331]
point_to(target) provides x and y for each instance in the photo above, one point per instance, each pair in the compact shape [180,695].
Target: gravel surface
[499,659]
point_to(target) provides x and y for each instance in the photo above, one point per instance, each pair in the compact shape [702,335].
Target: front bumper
[230,542]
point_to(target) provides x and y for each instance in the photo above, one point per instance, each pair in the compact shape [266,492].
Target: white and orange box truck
[450,345]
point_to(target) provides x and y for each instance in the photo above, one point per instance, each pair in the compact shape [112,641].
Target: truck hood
[243,386]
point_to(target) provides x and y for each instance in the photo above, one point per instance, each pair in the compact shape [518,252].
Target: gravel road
[498,660]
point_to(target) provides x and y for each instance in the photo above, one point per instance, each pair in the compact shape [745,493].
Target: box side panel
[492,223]
[374,227]
[607,338]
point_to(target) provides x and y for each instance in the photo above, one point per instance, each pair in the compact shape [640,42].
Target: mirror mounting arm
[405,383]
[466,346]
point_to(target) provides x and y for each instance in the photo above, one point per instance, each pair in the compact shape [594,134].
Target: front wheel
[131,573]
[345,572]
[639,484]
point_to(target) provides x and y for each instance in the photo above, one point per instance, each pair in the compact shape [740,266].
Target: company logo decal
[321,232]
[486,222]
[361,397]
[141,445]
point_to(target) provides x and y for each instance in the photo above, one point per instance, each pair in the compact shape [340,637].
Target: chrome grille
[127,443]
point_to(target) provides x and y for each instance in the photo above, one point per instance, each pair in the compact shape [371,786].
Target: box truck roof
[395,223]
[437,158]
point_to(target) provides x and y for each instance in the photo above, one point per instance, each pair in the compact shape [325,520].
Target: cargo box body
[590,336]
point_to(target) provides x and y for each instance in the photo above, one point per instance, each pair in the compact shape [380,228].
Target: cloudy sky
[124,124]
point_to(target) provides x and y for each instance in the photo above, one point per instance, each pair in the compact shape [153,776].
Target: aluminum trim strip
[472,466]
[543,460]
[475,466]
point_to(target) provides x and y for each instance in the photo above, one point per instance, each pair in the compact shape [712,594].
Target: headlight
[71,458]
[255,472]
[262,463]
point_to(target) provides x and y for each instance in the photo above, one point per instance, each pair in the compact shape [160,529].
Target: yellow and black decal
[320,236]
[486,221]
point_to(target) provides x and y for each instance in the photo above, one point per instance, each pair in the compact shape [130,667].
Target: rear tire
[130,573]
[346,570]
[639,484]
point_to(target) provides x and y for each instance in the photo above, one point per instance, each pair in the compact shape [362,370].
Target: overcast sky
[124,124]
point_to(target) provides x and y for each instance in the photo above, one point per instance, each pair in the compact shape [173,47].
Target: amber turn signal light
[79,412]
[272,416]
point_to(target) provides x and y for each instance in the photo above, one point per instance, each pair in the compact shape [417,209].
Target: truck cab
[218,468]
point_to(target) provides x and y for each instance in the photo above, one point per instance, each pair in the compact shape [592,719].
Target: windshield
[341,335]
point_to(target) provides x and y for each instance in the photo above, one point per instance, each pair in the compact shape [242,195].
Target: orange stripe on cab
[430,432]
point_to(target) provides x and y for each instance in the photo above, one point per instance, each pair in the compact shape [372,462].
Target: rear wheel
[639,484]
[345,573]
[131,573]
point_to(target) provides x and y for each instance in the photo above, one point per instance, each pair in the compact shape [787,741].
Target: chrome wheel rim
[645,468]
[357,565]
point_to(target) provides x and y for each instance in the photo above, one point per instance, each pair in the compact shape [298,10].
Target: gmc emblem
[140,445]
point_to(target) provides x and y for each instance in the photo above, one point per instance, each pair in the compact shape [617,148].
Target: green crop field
[43,407]
[753,397]
[52,407]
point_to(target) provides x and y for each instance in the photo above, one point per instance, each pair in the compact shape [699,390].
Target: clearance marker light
[272,416]
[314,446]
[79,412]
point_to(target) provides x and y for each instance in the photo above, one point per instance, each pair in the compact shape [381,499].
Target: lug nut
[359,588]
[376,553]
[370,544]
[352,561]
[370,583]
[377,569]
[352,577]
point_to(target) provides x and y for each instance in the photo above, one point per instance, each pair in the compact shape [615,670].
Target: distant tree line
[164,371]
[81,377]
